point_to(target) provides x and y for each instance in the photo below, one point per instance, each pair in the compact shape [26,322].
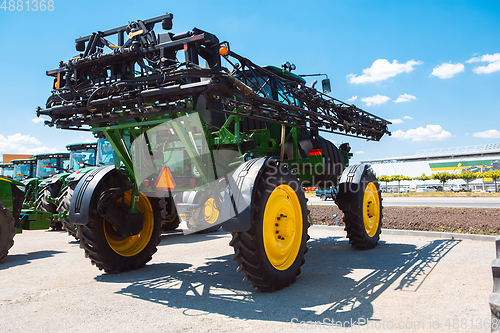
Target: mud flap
[351,177]
[79,208]
[238,197]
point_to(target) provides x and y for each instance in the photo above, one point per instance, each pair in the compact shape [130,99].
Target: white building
[453,160]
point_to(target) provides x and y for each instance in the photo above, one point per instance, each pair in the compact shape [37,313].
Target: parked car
[325,194]
[431,189]
[386,190]
[491,189]
[404,189]
[426,189]
[459,188]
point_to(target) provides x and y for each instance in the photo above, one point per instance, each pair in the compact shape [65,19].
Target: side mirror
[166,23]
[80,46]
[325,83]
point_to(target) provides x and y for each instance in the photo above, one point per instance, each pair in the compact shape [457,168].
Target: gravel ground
[465,220]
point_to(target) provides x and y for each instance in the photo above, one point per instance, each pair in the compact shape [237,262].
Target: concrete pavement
[408,282]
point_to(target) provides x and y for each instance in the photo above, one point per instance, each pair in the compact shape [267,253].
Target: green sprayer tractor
[206,136]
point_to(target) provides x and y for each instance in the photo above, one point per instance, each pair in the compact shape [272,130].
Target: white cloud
[375,100]
[447,70]
[429,133]
[404,98]
[352,99]
[489,134]
[37,120]
[407,117]
[360,152]
[395,121]
[381,69]
[36,150]
[493,66]
[22,144]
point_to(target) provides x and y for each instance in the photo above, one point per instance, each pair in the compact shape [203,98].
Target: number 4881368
[29,6]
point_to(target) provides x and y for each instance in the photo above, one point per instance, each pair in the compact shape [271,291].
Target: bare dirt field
[463,220]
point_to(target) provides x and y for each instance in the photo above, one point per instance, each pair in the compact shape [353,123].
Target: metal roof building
[453,160]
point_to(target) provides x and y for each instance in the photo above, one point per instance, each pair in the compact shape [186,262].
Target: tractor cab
[7,170]
[82,155]
[105,152]
[270,85]
[24,168]
[48,165]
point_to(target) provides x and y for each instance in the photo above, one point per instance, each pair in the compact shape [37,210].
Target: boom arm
[143,78]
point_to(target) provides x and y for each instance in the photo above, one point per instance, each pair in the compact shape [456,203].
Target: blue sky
[433,67]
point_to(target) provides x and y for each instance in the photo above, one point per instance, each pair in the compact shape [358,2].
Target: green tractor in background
[211,145]
[11,200]
[25,169]
[81,156]
[13,218]
[7,170]
[47,165]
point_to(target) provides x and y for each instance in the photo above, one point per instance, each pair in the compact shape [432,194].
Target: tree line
[443,177]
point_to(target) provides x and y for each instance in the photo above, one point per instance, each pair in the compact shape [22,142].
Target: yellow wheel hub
[371,209]
[128,246]
[211,213]
[282,227]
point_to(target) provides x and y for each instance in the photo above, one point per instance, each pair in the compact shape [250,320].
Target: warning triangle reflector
[165,181]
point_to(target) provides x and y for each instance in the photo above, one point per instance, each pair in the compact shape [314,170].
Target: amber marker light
[223,50]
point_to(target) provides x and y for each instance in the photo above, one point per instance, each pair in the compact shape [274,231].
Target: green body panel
[87,169]
[6,192]
[32,219]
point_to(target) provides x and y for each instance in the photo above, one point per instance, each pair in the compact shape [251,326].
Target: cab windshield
[22,171]
[105,153]
[7,171]
[81,158]
[48,167]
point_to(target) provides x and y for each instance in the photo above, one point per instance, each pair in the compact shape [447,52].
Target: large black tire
[64,201]
[270,254]
[362,207]
[7,231]
[47,206]
[111,251]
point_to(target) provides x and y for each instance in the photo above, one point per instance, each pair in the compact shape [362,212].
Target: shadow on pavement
[177,237]
[337,283]
[12,260]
